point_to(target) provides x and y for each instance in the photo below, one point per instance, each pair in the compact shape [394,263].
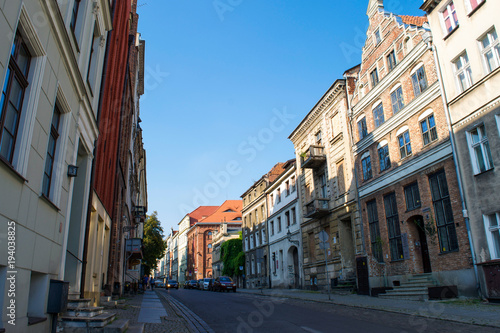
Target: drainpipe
[349,114]
[432,47]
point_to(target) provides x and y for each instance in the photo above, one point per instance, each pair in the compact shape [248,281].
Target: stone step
[118,326]
[73,295]
[84,312]
[405,288]
[87,322]
[405,297]
[79,303]
[136,328]
[106,298]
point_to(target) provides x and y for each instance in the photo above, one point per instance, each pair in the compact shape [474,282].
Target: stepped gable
[200,213]
[229,211]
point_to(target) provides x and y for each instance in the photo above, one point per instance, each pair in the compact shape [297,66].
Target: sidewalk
[457,311]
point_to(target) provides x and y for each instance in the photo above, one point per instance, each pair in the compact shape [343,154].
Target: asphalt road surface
[250,313]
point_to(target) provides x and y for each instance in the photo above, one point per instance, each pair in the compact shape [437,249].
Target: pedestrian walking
[152,282]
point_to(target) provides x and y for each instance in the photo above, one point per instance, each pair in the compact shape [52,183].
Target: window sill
[36,320]
[447,252]
[483,172]
[451,32]
[47,199]
[11,168]
[476,9]
[415,208]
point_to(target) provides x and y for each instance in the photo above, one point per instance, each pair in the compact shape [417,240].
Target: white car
[208,283]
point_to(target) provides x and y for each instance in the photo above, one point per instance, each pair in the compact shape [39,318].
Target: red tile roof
[414,20]
[276,171]
[228,211]
[201,212]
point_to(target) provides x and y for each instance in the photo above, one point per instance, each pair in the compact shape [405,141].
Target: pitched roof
[200,213]
[413,20]
[276,171]
[227,212]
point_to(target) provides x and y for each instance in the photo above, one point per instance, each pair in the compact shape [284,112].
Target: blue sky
[227,81]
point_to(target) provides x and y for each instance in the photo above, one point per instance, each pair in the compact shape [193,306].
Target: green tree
[233,257]
[154,245]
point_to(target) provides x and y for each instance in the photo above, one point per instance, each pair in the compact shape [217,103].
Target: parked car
[159,284]
[191,284]
[208,284]
[224,283]
[172,284]
[200,284]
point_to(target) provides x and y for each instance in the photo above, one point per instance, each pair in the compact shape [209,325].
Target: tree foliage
[233,257]
[154,245]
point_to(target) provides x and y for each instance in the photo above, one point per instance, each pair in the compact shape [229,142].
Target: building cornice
[328,98]
[416,165]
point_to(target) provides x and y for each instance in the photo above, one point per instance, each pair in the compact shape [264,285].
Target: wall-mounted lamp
[72,171]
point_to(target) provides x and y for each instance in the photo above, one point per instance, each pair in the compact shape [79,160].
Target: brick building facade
[407,184]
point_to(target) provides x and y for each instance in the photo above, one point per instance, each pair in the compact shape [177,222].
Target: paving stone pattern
[170,322]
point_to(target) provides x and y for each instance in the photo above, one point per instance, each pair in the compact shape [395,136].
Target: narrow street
[245,313]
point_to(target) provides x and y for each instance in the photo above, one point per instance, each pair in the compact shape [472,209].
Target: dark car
[172,284]
[191,284]
[224,283]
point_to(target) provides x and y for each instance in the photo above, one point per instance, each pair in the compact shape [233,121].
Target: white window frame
[425,117]
[464,70]
[364,156]
[399,133]
[494,251]
[360,118]
[378,37]
[483,141]
[494,48]
[375,106]
[469,5]
[454,24]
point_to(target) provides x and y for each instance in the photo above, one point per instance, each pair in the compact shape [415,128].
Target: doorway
[422,243]
[293,267]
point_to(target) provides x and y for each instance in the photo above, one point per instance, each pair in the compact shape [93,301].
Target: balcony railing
[317,208]
[313,157]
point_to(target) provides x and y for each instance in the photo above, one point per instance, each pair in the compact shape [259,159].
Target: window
[250,218]
[479,149]
[444,214]
[256,216]
[287,185]
[492,227]
[279,223]
[377,37]
[278,195]
[287,218]
[463,73]
[391,214]
[294,216]
[74,15]
[262,212]
[412,196]
[263,236]
[472,4]
[293,184]
[271,197]
[490,50]
[375,239]
[429,132]
[271,225]
[362,130]
[378,115]
[51,151]
[404,144]
[311,247]
[341,177]
[209,248]
[397,100]
[318,138]
[323,186]
[367,167]
[419,81]
[94,54]
[383,154]
[391,60]
[252,242]
[374,77]
[11,103]
[449,17]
